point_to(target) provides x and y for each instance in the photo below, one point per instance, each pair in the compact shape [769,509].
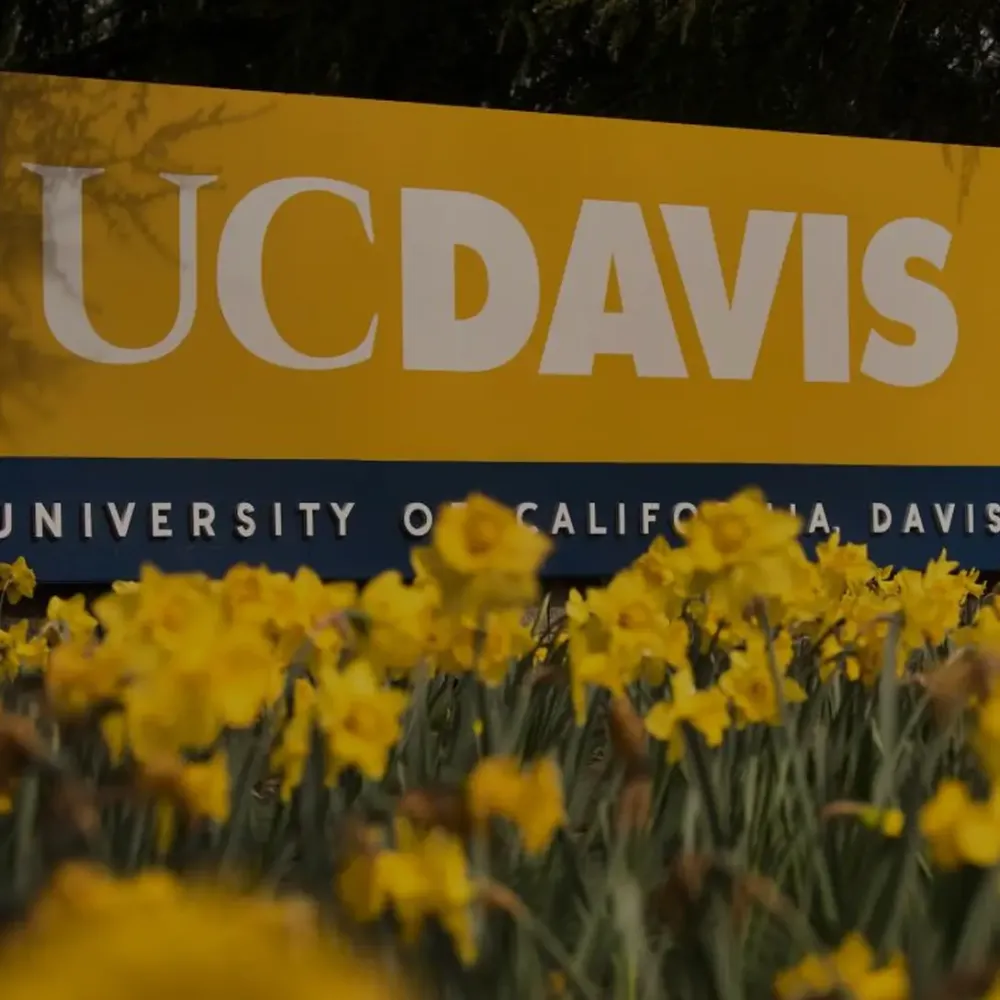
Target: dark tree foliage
[921,69]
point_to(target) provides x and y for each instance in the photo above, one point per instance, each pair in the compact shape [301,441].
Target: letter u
[62,265]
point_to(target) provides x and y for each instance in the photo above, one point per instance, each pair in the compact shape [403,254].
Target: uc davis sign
[284,329]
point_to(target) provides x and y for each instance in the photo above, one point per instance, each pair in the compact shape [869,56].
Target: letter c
[240,279]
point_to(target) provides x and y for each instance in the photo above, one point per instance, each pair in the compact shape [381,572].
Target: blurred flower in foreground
[73,615]
[481,556]
[426,876]
[530,797]
[741,549]
[159,939]
[959,829]
[850,969]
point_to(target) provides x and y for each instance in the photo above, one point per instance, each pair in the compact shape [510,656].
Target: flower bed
[733,771]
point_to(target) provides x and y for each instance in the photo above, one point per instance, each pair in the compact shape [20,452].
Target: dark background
[904,69]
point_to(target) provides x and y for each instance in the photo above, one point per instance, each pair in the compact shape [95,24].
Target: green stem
[827,895]
[554,947]
[703,780]
[138,838]
[888,718]
[250,774]
[24,833]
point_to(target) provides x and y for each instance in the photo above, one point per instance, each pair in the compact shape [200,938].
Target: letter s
[62,266]
[240,278]
[900,297]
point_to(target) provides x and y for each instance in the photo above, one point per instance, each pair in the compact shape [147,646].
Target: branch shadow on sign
[82,123]
[965,166]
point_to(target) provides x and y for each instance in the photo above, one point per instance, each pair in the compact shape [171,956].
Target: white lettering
[993,518]
[276,520]
[159,526]
[88,520]
[434,223]
[731,331]
[202,519]
[681,512]
[8,520]
[120,522]
[563,522]
[818,520]
[423,513]
[904,299]
[593,528]
[648,516]
[826,319]
[340,512]
[912,521]
[246,525]
[612,234]
[62,265]
[308,511]
[881,519]
[944,516]
[523,509]
[48,522]
[239,278]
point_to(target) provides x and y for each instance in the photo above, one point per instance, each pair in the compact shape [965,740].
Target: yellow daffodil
[530,797]
[959,829]
[843,566]
[638,630]
[741,550]
[219,679]
[619,633]
[590,660]
[154,937]
[360,718]
[930,602]
[851,969]
[861,623]
[482,557]
[489,649]
[162,609]
[986,738]
[72,614]
[303,605]
[399,622]
[199,790]
[665,571]
[749,681]
[81,675]
[705,710]
[17,580]
[18,652]
[292,752]
[425,877]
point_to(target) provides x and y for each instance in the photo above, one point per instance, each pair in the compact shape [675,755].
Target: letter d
[881,518]
[434,223]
